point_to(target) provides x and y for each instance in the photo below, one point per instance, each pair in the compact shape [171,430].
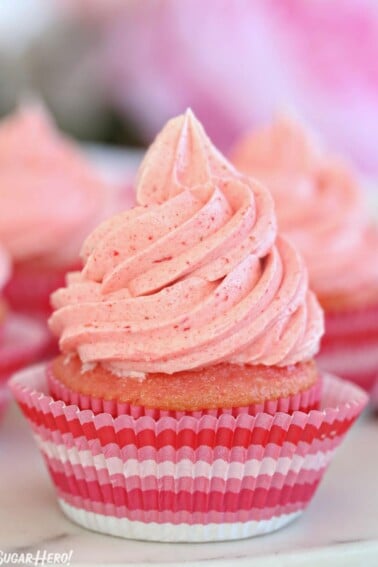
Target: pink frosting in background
[49,195]
[192,277]
[319,205]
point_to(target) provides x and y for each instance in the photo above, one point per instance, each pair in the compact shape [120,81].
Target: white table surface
[340,527]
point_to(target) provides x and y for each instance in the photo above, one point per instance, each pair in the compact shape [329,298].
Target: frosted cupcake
[320,207]
[50,198]
[186,405]
[21,339]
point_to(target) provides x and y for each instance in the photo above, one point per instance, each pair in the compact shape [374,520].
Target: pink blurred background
[236,63]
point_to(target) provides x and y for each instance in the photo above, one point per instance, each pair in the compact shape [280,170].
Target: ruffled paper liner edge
[23,341]
[302,401]
[30,291]
[188,472]
[349,346]
[374,396]
[4,399]
[174,533]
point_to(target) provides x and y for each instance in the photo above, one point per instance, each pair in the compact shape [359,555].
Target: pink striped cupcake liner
[350,346]
[374,396]
[29,291]
[4,398]
[190,478]
[303,401]
[22,341]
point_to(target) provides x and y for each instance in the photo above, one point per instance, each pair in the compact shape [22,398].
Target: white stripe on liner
[152,531]
[219,468]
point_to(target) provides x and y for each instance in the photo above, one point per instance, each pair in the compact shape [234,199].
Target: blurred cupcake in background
[320,206]
[50,197]
[21,338]
[186,404]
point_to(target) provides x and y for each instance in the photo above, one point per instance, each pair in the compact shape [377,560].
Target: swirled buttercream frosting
[193,276]
[50,196]
[319,206]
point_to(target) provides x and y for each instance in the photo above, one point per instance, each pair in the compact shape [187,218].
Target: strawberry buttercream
[50,197]
[319,206]
[192,277]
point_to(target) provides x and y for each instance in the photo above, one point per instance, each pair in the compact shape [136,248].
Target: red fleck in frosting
[319,206]
[192,277]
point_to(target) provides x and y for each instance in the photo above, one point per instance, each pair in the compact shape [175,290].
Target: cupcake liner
[29,290]
[352,322]
[4,399]
[356,361]
[185,479]
[215,531]
[22,342]
[374,396]
[303,401]
[350,346]
[51,347]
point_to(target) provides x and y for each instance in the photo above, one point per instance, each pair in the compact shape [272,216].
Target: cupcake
[50,197]
[320,208]
[21,339]
[185,404]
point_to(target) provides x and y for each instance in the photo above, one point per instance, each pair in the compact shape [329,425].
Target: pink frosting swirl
[319,206]
[192,277]
[49,196]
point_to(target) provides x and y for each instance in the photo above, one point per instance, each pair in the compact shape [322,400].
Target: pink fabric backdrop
[237,62]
